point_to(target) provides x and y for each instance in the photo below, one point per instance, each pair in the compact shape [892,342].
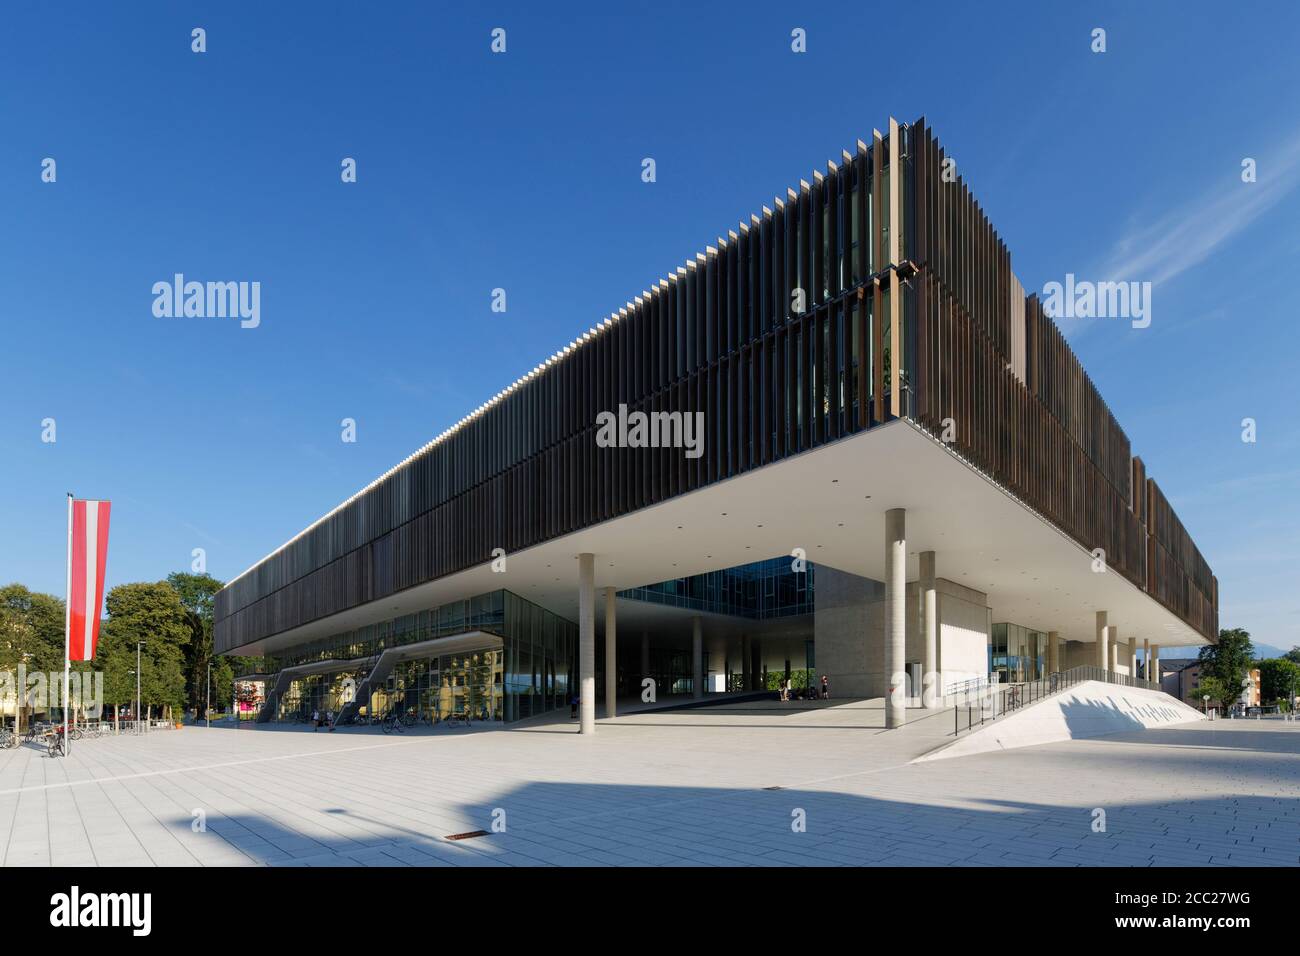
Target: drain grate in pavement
[466,836]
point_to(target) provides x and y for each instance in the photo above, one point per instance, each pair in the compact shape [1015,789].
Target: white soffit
[830,502]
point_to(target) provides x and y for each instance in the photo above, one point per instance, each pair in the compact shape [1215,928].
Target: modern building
[852,385]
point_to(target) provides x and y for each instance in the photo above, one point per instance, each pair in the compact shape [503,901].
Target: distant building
[1250,691]
[1180,676]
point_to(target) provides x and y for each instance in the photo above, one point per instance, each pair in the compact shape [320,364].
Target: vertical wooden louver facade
[910,309]
[1044,433]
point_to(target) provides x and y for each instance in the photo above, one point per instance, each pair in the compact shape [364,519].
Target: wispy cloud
[1182,238]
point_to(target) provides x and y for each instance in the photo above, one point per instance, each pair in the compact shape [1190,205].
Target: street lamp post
[138,645]
[1206,698]
[207,706]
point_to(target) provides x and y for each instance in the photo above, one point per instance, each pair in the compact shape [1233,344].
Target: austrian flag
[87,555]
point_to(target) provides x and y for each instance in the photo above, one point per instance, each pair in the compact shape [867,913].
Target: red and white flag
[87,556]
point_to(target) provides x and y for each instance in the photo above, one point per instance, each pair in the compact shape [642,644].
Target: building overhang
[829,503]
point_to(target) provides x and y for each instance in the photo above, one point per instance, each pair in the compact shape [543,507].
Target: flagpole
[67,631]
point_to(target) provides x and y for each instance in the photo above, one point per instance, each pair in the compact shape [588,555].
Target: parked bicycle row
[51,735]
[389,722]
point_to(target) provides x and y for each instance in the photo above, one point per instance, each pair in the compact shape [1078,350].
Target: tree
[1219,692]
[31,629]
[1293,655]
[31,640]
[196,593]
[152,613]
[1230,659]
[1279,678]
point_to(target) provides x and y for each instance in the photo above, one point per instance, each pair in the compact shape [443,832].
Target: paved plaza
[725,785]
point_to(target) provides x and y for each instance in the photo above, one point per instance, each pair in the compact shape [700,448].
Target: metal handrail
[966,686]
[994,704]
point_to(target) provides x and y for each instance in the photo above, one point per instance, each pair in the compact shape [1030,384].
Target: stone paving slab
[735,785]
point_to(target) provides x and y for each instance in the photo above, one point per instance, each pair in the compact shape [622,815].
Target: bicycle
[393,723]
[54,745]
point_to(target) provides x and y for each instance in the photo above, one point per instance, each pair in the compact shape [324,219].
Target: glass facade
[530,672]
[763,589]
[1017,654]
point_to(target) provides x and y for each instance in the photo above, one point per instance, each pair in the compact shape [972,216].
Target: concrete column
[587,642]
[645,655]
[895,616]
[1112,645]
[756,665]
[611,653]
[1102,659]
[1133,658]
[746,662]
[717,661]
[1053,652]
[697,658]
[1155,665]
[930,690]
[1146,658]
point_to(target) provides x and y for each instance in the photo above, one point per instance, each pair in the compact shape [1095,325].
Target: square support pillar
[1155,671]
[1053,652]
[1146,659]
[746,662]
[1102,659]
[587,642]
[1133,658]
[611,653]
[895,617]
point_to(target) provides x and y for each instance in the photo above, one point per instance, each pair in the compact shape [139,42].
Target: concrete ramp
[1089,709]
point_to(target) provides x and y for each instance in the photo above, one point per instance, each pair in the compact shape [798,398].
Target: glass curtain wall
[1017,654]
[430,689]
[763,589]
[540,659]
[530,674]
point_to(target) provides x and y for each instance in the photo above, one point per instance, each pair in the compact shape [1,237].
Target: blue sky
[522,171]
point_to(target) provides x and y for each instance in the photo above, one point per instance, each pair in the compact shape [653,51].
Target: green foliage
[798,679]
[152,613]
[196,593]
[1293,655]
[1279,678]
[1230,659]
[31,629]
[1221,694]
